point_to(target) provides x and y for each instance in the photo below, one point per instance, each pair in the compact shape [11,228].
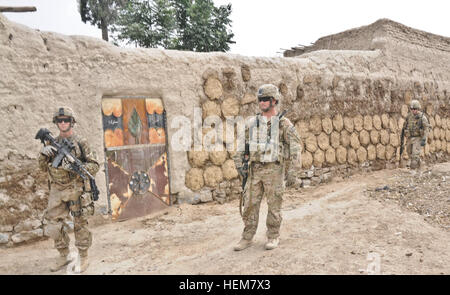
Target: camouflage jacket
[416,125]
[81,151]
[268,143]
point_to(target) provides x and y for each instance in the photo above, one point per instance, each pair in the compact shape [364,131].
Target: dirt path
[336,228]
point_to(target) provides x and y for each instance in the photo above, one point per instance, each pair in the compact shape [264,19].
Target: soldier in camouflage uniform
[68,192]
[416,128]
[272,143]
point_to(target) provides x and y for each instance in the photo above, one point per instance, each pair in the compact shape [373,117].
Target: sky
[266,27]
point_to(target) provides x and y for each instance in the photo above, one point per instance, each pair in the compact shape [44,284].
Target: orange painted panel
[113,138]
[154,105]
[112,106]
[157,135]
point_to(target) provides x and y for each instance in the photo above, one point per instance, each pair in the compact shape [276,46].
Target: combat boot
[243,244]
[84,262]
[62,260]
[272,244]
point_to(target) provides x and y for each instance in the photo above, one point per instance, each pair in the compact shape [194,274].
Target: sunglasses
[266,98]
[65,120]
[414,109]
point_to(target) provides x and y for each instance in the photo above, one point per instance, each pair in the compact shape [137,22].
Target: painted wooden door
[136,153]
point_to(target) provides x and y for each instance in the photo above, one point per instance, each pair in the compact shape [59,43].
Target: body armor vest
[265,140]
[414,125]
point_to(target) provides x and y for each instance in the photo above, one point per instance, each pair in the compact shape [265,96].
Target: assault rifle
[245,165]
[402,139]
[245,176]
[63,151]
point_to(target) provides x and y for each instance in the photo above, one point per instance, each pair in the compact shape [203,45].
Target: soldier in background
[415,128]
[68,194]
[277,144]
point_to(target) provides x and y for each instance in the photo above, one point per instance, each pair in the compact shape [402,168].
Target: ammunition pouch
[267,152]
[61,176]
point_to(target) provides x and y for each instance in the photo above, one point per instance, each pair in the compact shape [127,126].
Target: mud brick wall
[347,125]
[346,104]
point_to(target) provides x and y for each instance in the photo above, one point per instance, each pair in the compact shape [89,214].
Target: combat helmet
[415,104]
[269,90]
[64,111]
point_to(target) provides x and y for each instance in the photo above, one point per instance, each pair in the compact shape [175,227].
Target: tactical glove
[48,150]
[422,142]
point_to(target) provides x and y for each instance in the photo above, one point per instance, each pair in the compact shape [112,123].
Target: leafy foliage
[147,23]
[195,25]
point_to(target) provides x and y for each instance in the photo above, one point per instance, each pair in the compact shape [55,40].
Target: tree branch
[17,9]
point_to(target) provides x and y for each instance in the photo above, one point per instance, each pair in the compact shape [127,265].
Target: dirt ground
[380,222]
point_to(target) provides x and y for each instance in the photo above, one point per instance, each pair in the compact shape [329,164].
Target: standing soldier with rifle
[415,128]
[271,141]
[69,192]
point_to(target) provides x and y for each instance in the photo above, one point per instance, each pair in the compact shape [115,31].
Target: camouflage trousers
[413,149]
[58,211]
[266,179]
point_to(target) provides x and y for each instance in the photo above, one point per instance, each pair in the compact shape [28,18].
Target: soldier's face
[265,105]
[64,123]
[414,111]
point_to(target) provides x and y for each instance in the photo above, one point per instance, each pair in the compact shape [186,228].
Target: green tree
[100,13]
[147,23]
[195,25]
[182,22]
